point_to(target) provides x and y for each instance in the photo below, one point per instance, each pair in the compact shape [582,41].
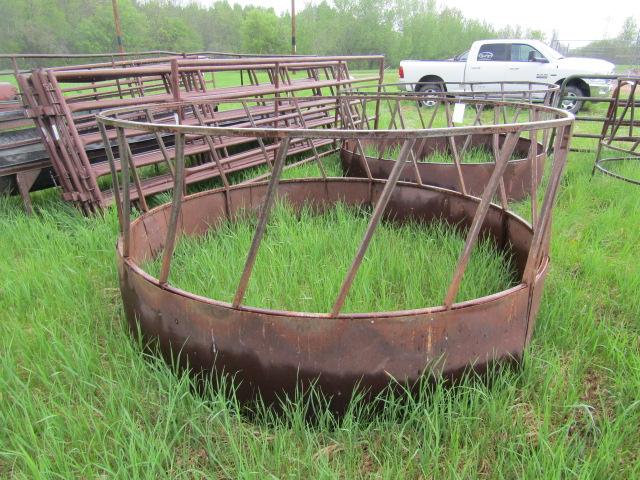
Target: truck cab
[510,60]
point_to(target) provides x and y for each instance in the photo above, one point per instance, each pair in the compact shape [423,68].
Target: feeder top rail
[543,117]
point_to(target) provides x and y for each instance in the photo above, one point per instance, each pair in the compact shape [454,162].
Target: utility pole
[293,27]
[116,19]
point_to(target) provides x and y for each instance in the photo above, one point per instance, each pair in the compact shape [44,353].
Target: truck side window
[493,52]
[462,57]
[521,52]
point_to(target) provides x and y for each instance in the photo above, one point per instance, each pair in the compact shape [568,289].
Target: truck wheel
[434,88]
[572,104]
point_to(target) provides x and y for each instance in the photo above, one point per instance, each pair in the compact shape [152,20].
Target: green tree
[168,27]
[396,28]
[33,26]
[96,32]
[629,32]
[262,32]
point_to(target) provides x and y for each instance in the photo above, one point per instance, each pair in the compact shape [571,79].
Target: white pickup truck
[508,61]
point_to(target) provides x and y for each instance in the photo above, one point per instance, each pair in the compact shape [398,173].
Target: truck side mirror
[540,60]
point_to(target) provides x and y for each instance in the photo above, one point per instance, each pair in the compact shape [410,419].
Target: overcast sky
[573,19]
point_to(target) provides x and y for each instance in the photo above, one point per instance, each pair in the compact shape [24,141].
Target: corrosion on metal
[620,134]
[275,351]
[62,102]
[527,160]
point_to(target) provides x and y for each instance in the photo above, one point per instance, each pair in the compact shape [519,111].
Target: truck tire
[572,104]
[434,88]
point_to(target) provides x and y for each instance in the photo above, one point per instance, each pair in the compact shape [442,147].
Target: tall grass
[477,154]
[304,257]
[80,399]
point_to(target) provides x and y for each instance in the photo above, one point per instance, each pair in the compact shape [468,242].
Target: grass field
[80,399]
[305,257]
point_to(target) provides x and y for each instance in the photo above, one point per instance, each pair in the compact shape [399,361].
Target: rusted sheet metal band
[271,351]
[517,177]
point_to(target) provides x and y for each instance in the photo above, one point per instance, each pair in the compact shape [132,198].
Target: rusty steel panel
[271,351]
[517,177]
[63,103]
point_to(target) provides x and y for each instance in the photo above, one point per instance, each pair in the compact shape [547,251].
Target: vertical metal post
[123,151]
[376,120]
[176,207]
[115,186]
[262,222]
[376,216]
[533,160]
[175,80]
[14,64]
[293,27]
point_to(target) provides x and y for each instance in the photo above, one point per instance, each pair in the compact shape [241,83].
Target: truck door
[527,64]
[488,65]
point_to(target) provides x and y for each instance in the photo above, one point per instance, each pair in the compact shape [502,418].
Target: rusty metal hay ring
[618,133]
[518,177]
[599,165]
[528,164]
[272,351]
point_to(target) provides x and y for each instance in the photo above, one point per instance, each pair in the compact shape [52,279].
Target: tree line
[624,49]
[397,28]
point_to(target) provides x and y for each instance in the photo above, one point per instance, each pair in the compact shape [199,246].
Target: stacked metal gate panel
[63,103]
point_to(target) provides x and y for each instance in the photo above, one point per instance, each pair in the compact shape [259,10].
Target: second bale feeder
[618,151]
[461,163]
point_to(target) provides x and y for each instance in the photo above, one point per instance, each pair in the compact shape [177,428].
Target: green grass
[470,155]
[80,399]
[628,168]
[304,257]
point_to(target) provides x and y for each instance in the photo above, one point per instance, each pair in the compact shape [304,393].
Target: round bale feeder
[401,102]
[272,352]
[619,144]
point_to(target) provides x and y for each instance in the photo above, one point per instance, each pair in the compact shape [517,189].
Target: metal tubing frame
[561,95]
[620,115]
[262,223]
[176,75]
[409,138]
[272,350]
